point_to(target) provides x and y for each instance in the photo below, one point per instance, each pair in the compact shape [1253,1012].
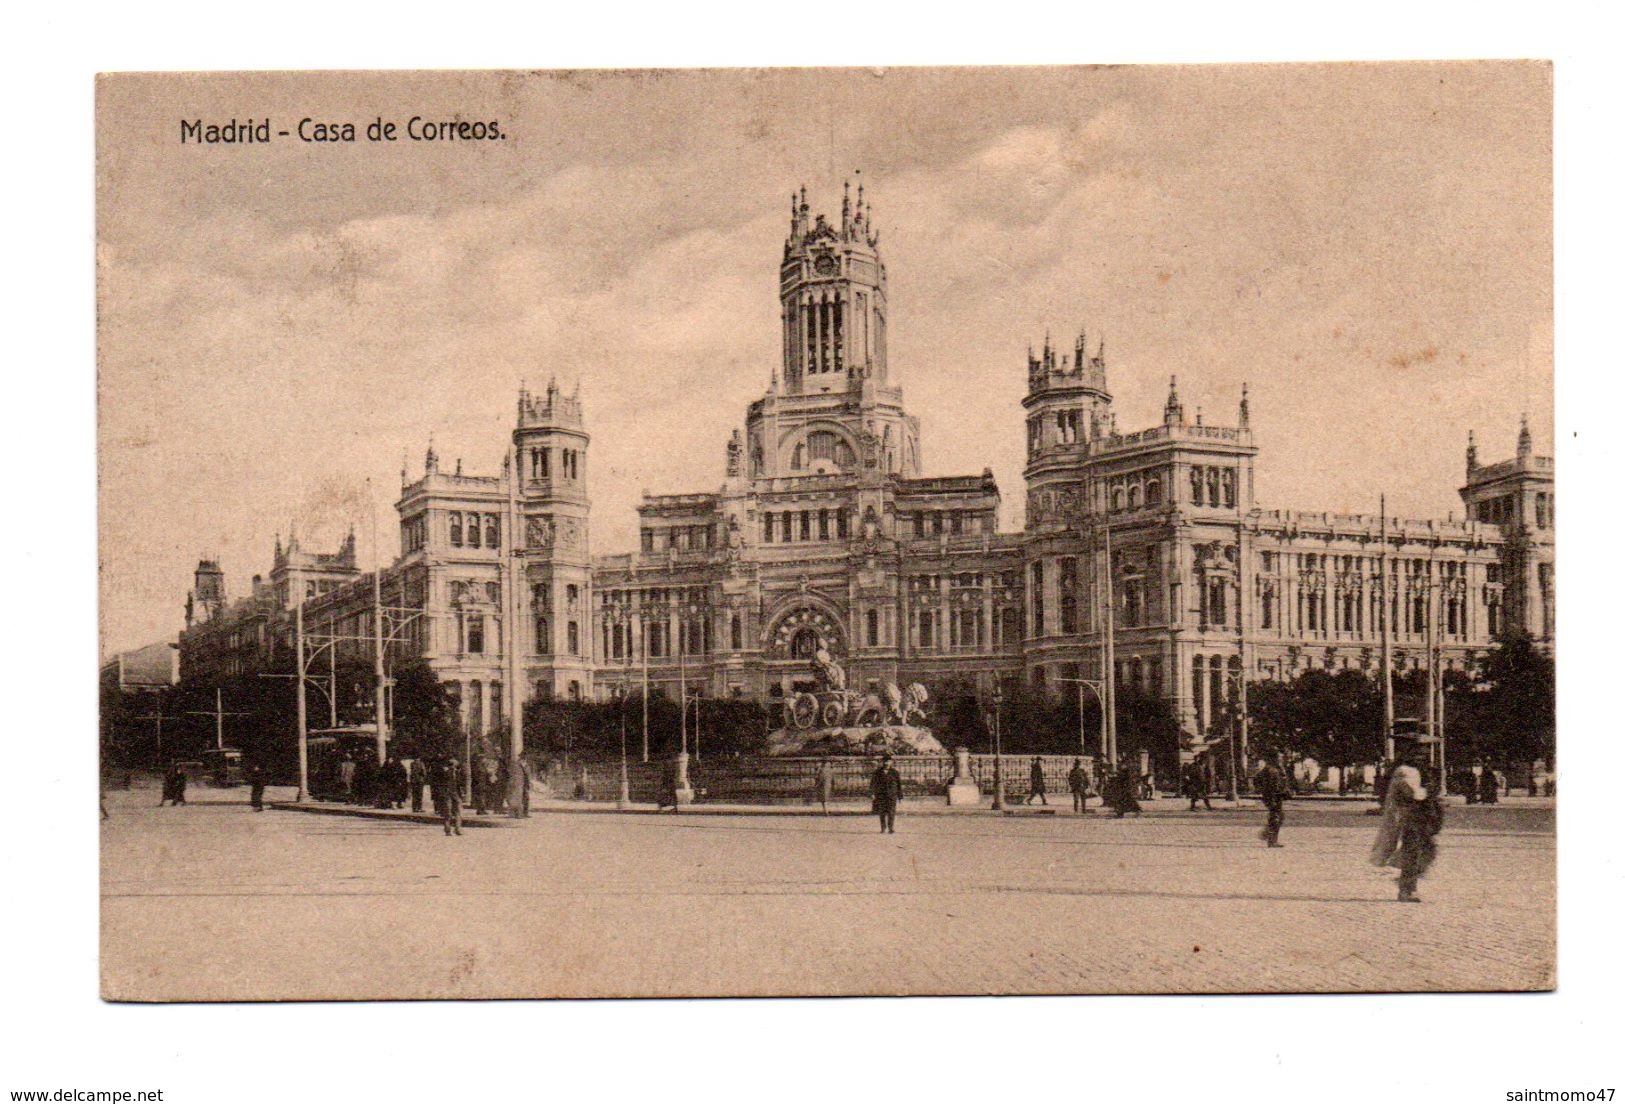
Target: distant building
[824,533]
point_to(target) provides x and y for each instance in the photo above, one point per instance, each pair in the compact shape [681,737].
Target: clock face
[824,265]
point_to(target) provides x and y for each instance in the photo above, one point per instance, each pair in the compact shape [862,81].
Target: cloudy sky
[1369,247]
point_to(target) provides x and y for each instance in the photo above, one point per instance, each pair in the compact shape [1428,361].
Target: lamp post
[998,749]
[619,615]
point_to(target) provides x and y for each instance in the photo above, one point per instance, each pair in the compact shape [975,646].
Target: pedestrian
[417,778]
[1273,790]
[1122,799]
[445,784]
[1035,782]
[1148,786]
[886,788]
[174,786]
[256,786]
[1489,791]
[518,790]
[826,784]
[1077,780]
[1196,787]
[1412,816]
[668,788]
[486,792]
[347,776]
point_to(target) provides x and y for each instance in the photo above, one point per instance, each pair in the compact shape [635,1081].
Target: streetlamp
[998,748]
[617,613]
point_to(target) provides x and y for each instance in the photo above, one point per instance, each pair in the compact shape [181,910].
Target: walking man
[445,784]
[174,785]
[826,784]
[519,790]
[1196,785]
[1077,780]
[886,786]
[1411,818]
[347,777]
[417,778]
[1035,782]
[1273,790]
[256,787]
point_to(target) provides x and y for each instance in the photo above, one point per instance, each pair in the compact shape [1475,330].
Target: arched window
[1230,487]
[1134,497]
[736,634]
[804,645]
[1153,493]
[544,637]
[476,708]
[574,633]
[1213,486]
[871,628]
[798,458]
[1117,499]
[456,529]
[493,531]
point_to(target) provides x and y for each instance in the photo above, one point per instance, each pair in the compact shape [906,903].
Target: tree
[425,715]
[1335,719]
[1516,718]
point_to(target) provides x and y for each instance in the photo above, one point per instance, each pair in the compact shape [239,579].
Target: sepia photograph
[923,531]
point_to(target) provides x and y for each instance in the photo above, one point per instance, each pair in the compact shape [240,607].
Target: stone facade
[824,533]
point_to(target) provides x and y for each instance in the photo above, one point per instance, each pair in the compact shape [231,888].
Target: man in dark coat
[1035,782]
[1077,780]
[1489,790]
[417,777]
[1273,790]
[1122,798]
[256,787]
[1412,817]
[445,784]
[1195,786]
[174,786]
[886,787]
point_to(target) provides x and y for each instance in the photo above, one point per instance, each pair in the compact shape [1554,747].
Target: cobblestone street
[214,901]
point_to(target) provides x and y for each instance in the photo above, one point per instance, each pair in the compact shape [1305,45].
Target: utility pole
[219,714]
[1387,648]
[510,614]
[1109,675]
[377,629]
[299,683]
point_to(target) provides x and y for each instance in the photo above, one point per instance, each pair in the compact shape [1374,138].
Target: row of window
[786,526]
[681,538]
[541,463]
[935,523]
[466,530]
[1211,486]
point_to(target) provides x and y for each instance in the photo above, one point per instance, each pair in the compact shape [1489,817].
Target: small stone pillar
[963,790]
[685,791]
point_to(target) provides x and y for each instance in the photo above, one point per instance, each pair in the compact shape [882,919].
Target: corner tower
[550,452]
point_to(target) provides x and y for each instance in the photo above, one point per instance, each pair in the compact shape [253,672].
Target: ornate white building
[824,533]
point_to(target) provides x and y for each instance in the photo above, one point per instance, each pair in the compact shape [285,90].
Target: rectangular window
[547,463]
[767,528]
[476,633]
[573,632]
[648,539]
[841,530]
[784,525]
[871,626]
[806,525]
[823,525]
[926,625]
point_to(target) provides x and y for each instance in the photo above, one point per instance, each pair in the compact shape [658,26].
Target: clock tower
[832,285]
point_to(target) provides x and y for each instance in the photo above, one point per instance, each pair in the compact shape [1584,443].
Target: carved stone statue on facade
[736,449]
[539,533]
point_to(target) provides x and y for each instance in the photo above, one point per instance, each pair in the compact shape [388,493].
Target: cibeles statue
[835,720]
[833,674]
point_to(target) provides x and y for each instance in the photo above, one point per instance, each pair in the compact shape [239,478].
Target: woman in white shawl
[1411,818]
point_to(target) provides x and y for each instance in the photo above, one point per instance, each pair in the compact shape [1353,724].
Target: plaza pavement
[214,901]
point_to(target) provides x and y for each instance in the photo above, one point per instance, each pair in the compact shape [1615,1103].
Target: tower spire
[1526,443]
[1173,411]
[1245,417]
[1472,454]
